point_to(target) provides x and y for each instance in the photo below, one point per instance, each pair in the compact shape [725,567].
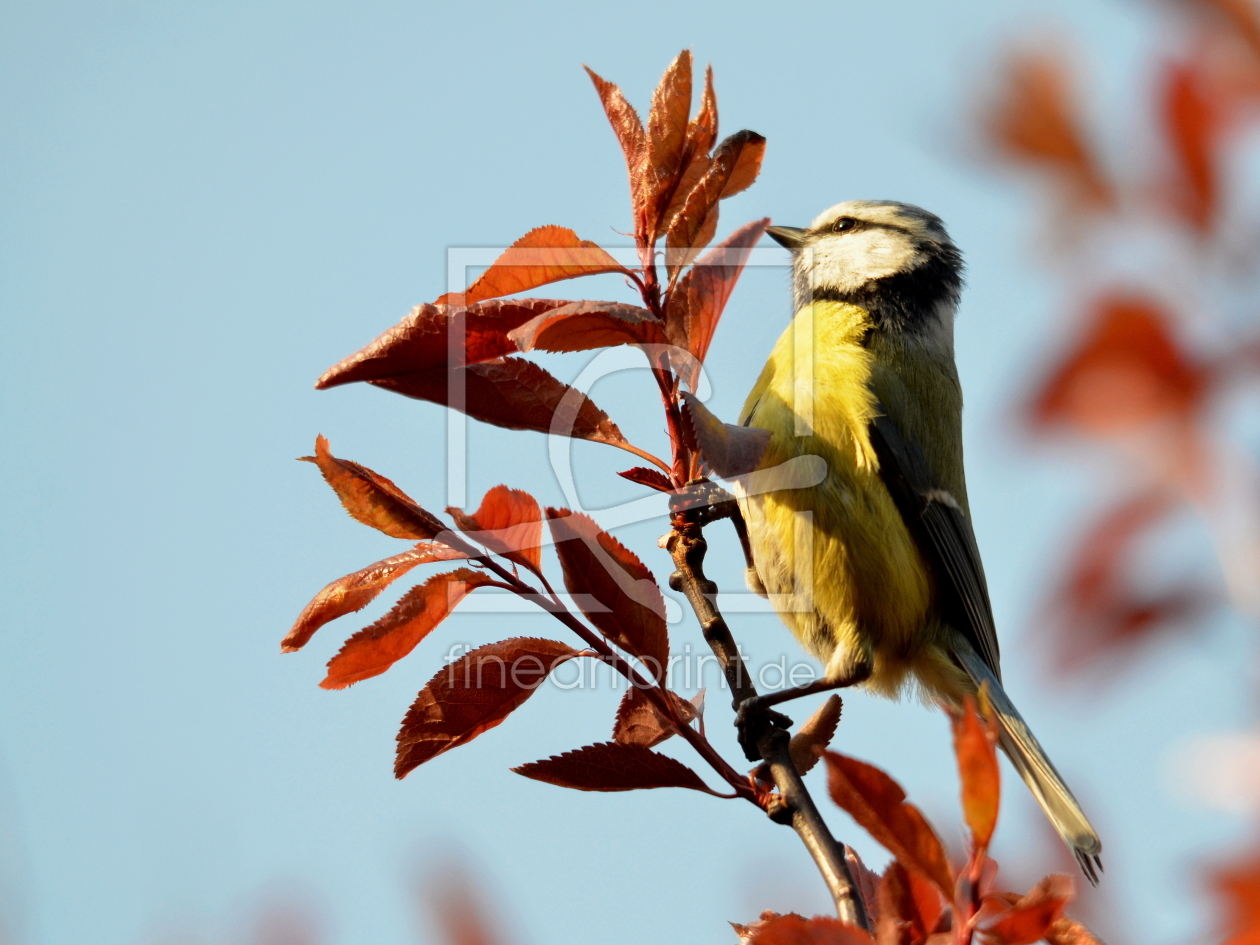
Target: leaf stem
[793,804]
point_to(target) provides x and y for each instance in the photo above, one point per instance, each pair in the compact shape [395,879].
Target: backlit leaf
[879,805]
[734,167]
[815,734]
[628,127]
[696,303]
[701,135]
[355,591]
[376,648]
[1127,369]
[512,393]
[666,139]
[372,499]
[509,523]
[793,929]
[1065,931]
[581,326]
[609,766]
[1036,122]
[653,478]
[422,340]
[909,907]
[543,255]
[614,589]
[978,768]
[473,695]
[640,722]
[1028,920]
[1193,122]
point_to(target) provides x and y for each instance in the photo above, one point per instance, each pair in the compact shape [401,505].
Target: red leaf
[734,167]
[815,734]
[1101,613]
[793,929]
[376,648]
[728,450]
[910,907]
[648,477]
[1236,888]
[1036,122]
[640,722]
[1128,369]
[1193,122]
[513,393]
[422,340]
[1065,931]
[701,134]
[509,523]
[978,769]
[608,766]
[1028,920]
[581,326]
[612,587]
[372,499]
[696,303]
[879,805]
[355,591]
[543,255]
[474,695]
[629,130]
[666,140]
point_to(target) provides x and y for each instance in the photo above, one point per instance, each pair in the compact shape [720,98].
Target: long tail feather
[1035,768]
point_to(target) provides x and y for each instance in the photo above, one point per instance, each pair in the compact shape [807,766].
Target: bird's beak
[792,237]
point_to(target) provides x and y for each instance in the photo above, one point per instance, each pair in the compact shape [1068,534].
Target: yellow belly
[844,573]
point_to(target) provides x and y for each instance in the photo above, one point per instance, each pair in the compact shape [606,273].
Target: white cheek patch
[848,261]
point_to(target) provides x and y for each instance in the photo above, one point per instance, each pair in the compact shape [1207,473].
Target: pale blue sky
[205,205]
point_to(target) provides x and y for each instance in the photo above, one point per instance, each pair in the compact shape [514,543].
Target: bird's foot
[754,720]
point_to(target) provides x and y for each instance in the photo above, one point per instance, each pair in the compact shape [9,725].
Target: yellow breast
[843,570]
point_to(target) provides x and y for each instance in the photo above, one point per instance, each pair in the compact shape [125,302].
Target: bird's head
[893,258]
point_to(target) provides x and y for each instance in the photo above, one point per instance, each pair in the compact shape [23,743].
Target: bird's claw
[753,720]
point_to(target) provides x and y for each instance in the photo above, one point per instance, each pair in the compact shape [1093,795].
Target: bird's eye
[843,225]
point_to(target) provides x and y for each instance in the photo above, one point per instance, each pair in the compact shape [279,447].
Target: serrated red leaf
[628,128]
[666,142]
[609,766]
[614,589]
[581,326]
[640,722]
[815,734]
[544,255]
[1035,121]
[652,478]
[879,805]
[1029,919]
[355,591]
[474,695]
[696,303]
[909,907]
[512,393]
[422,340]
[372,499]
[729,450]
[376,648]
[793,929]
[734,167]
[509,523]
[978,769]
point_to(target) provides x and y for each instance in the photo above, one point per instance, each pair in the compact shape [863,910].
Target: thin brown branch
[793,804]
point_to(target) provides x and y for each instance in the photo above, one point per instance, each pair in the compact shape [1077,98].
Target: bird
[875,569]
